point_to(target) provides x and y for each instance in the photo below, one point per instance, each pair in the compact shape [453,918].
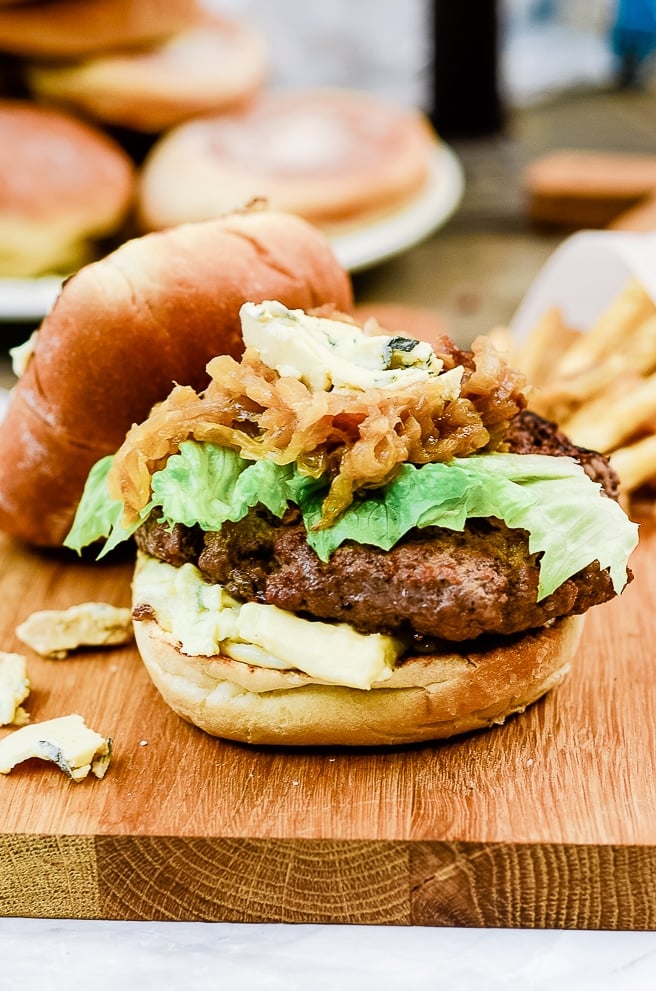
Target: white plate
[27,300]
[30,299]
[428,211]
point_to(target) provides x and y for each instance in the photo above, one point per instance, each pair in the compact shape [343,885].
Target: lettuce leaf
[207,485]
[568,519]
[98,516]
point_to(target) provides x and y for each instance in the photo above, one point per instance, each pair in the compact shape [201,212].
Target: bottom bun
[428,697]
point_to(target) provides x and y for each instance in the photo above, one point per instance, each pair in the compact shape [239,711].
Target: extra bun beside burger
[72,28]
[214,65]
[64,186]
[124,330]
[339,158]
[356,539]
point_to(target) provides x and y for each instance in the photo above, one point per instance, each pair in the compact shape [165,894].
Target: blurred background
[503,83]
[545,46]
[382,47]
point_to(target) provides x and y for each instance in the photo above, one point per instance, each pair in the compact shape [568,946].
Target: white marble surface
[56,955]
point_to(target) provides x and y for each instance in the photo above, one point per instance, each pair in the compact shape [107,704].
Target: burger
[351,537]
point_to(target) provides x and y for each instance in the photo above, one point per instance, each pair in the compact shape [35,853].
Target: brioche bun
[125,329]
[63,184]
[73,28]
[428,697]
[214,65]
[335,157]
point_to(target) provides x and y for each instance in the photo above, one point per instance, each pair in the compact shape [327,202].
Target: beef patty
[434,584]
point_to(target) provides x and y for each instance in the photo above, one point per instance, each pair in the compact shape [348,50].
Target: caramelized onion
[357,438]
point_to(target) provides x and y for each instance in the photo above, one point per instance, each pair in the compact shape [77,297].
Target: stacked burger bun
[182,90]
[64,186]
[76,28]
[337,157]
[136,67]
[207,63]
[85,87]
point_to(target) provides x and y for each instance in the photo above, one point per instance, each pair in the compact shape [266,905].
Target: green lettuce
[207,485]
[98,516]
[568,520]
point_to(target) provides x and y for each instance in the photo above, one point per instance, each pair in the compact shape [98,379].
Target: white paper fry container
[584,274]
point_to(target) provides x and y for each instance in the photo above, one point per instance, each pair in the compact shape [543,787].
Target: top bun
[335,157]
[214,65]
[70,28]
[128,327]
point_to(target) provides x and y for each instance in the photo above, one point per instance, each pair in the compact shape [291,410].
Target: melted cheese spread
[206,621]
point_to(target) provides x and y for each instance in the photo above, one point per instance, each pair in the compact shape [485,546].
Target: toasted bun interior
[428,697]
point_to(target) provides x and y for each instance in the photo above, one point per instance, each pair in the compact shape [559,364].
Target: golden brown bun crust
[215,65]
[71,28]
[428,698]
[331,156]
[62,184]
[124,329]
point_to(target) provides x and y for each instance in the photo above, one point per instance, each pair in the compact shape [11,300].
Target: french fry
[539,352]
[635,464]
[560,399]
[600,388]
[603,429]
[629,309]
[639,349]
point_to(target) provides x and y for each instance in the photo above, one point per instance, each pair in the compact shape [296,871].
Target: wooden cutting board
[548,821]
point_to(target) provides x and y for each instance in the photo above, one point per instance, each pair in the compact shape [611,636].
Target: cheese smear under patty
[206,621]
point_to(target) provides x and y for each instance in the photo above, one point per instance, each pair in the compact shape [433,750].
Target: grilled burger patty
[434,584]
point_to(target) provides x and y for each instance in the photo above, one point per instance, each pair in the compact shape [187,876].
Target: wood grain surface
[548,821]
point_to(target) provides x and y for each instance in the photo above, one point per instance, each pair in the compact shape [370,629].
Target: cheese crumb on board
[55,633]
[65,741]
[14,689]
